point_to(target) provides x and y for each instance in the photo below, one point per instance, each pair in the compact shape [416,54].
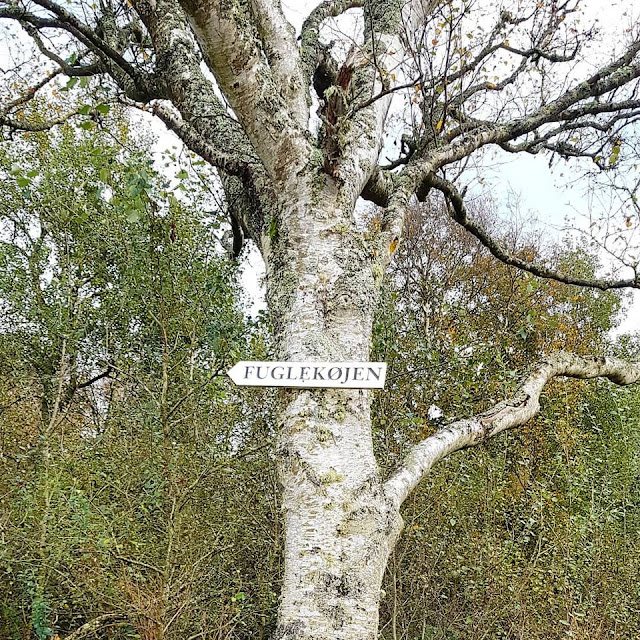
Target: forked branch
[508,414]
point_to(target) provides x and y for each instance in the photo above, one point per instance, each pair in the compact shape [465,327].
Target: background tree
[127,462]
[535,537]
[512,77]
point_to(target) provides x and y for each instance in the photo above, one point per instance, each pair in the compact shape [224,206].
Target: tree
[119,318]
[514,540]
[512,77]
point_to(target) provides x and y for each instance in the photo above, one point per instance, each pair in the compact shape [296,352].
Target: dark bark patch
[289,631]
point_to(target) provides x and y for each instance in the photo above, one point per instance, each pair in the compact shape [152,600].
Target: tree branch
[273,122]
[137,84]
[459,214]
[510,413]
[229,163]
[279,45]
[45,125]
[310,47]
[93,626]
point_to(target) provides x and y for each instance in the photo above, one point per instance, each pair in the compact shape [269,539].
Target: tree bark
[339,525]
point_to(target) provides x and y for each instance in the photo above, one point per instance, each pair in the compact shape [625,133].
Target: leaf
[103,108]
[70,84]
[615,152]
[182,175]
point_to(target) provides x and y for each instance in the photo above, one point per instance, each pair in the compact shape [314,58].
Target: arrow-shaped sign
[303,375]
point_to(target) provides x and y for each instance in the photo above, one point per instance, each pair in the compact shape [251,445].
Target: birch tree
[236,83]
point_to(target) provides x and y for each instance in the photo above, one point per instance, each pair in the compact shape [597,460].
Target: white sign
[307,375]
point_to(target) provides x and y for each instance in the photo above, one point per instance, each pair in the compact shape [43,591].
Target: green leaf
[613,158]
[103,108]
[70,84]
[182,175]
[87,125]
[84,110]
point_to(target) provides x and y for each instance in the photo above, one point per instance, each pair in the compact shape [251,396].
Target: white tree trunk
[340,526]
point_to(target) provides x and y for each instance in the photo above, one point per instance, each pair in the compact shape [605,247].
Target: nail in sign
[310,375]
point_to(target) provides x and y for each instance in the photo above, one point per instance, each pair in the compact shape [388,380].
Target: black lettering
[246,372]
[277,376]
[372,372]
[266,373]
[333,376]
[357,373]
[304,371]
[316,373]
[289,369]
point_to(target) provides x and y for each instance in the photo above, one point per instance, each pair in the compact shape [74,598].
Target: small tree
[511,77]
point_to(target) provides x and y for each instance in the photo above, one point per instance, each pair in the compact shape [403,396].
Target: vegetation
[534,535]
[138,488]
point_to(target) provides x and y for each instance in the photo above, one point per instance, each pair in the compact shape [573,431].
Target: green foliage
[536,533]
[131,471]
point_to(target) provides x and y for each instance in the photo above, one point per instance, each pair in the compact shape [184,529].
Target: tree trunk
[339,525]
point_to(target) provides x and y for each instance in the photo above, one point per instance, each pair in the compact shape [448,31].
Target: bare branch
[137,84]
[93,626]
[508,414]
[71,70]
[458,212]
[29,94]
[44,125]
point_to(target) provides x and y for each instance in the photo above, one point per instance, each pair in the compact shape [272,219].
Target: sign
[308,375]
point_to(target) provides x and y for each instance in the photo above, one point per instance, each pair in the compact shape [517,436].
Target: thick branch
[229,39]
[279,46]
[310,47]
[206,127]
[511,413]
[230,163]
